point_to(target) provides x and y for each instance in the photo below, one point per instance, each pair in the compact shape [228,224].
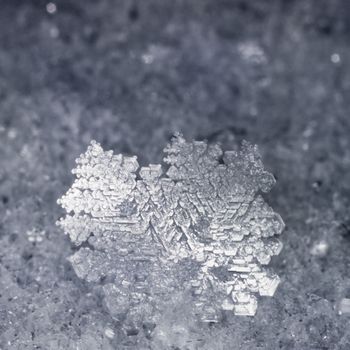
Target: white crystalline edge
[163,215]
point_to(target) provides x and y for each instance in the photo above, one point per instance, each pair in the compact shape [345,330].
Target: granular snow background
[129,74]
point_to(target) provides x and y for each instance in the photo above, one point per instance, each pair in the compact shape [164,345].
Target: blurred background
[129,74]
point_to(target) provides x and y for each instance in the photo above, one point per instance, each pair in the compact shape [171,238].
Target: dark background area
[129,74]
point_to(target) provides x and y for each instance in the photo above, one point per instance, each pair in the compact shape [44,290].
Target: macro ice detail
[196,225]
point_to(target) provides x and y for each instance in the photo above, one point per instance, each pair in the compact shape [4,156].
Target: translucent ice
[197,224]
[344,306]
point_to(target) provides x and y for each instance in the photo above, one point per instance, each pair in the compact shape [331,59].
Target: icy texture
[274,72]
[344,306]
[206,209]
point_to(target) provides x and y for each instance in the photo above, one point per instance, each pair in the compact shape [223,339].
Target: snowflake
[201,226]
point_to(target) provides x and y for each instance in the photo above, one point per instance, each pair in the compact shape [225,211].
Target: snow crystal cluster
[195,226]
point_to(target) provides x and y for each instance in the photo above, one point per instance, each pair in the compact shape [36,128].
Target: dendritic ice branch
[200,226]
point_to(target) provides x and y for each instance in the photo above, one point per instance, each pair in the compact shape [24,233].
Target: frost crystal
[148,235]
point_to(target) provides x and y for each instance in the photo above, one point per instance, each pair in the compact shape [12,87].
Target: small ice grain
[200,226]
[320,248]
[154,53]
[335,58]
[35,235]
[51,8]
[252,53]
[344,307]
[109,333]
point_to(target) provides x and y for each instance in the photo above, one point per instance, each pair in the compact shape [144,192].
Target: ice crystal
[201,226]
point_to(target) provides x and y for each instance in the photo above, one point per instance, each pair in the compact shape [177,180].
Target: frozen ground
[129,74]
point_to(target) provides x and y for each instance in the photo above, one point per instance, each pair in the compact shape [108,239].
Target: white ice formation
[200,226]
